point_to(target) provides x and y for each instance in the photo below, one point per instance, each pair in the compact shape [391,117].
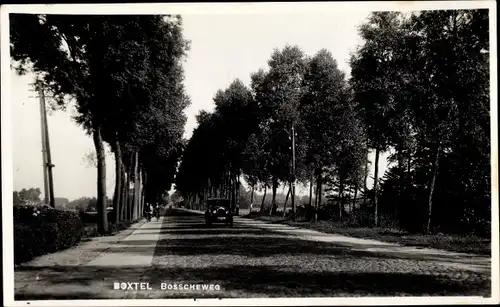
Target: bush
[40,230]
[121,225]
[92,217]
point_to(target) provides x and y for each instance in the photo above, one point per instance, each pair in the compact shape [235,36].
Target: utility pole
[48,178]
[44,150]
[293,172]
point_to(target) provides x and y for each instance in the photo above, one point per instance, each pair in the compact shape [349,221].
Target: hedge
[42,230]
[92,217]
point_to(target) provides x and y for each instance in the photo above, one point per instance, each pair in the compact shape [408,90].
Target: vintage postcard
[330,153]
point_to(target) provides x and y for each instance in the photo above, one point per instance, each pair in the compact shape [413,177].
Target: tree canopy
[124,73]
[418,89]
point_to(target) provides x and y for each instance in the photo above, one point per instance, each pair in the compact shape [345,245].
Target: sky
[223,48]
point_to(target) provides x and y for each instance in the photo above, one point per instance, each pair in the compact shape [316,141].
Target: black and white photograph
[329,153]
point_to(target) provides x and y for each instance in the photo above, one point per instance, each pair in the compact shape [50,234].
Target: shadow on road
[180,212]
[185,223]
[389,250]
[250,275]
[251,280]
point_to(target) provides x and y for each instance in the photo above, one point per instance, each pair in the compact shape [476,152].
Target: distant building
[60,203]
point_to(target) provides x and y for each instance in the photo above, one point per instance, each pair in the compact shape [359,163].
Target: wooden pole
[48,161]
[293,173]
[44,149]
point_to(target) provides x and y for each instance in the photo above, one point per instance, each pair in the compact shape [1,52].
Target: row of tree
[419,87]
[125,75]
[85,204]
[250,132]
[422,85]
[27,196]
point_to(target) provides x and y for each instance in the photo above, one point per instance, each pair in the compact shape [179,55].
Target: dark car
[218,211]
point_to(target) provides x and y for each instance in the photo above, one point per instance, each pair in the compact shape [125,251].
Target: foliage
[418,87]
[42,230]
[81,204]
[436,105]
[125,74]
[217,144]
[31,195]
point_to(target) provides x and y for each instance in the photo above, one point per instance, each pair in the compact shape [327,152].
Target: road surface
[251,259]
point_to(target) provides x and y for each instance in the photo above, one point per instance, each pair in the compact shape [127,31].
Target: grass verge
[90,229]
[450,242]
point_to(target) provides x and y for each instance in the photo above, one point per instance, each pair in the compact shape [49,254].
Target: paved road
[251,259]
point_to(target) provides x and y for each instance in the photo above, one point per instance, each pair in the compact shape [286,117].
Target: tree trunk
[263,199]
[251,195]
[401,183]
[224,187]
[341,198]
[136,186]
[126,200]
[132,192]
[238,186]
[375,185]
[408,178]
[319,183]
[118,182]
[288,193]
[365,188]
[144,194]
[139,190]
[102,211]
[273,203]
[311,181]
[123,205]
[316,195]
[347,197]
[233,193]
[141,193]
[124,194]
[206,192]
[286,198]
[356,187]
[432,185]
[228,187]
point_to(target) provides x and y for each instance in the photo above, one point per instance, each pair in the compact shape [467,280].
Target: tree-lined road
[251,259]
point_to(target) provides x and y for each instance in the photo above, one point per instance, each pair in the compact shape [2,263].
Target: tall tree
[327,114]
[450,86]
[105,63]
[280,92]
[372,82]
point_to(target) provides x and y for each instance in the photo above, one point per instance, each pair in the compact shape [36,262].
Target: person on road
[156,212]
[148,210]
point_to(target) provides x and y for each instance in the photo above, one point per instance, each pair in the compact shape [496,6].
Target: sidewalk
[476,263]
[83,252]
[148,233]
[90,268]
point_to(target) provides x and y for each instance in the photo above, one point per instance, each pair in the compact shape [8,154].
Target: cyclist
[148,211]
[156,212]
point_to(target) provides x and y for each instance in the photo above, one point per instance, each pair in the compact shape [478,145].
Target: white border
[237,8]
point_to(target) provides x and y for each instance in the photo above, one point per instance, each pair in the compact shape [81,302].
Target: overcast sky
[223,48]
